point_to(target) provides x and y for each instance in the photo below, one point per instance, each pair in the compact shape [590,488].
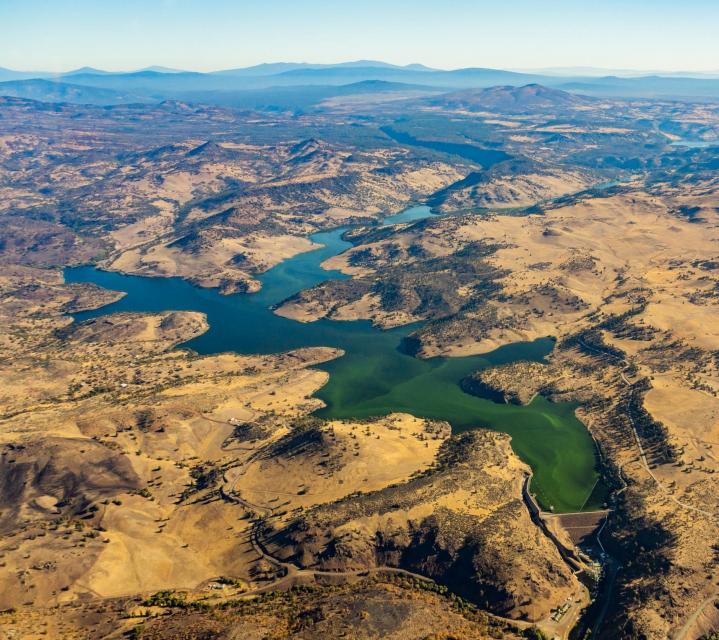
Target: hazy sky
[59,35]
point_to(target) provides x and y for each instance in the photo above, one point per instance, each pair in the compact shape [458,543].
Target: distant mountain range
[273,68]
[294,82]
[599,72]
[49,91]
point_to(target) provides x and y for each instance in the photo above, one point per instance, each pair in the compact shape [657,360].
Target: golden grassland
[130,467]
[635,257]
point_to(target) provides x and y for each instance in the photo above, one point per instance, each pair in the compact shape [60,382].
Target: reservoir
[695,144]
[374,377]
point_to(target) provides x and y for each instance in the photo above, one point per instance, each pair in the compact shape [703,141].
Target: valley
[440,363]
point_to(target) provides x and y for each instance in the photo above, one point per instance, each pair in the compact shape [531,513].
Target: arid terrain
[150,491]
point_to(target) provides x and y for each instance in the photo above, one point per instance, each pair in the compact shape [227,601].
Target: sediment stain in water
[375,377]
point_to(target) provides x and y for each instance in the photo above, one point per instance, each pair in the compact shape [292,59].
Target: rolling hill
[508,99]
[51,91]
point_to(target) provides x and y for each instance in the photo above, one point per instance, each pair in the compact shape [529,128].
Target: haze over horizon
[59,36]
[569,71]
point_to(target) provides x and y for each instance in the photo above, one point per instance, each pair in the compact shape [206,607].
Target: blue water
[695,144]
[374,377]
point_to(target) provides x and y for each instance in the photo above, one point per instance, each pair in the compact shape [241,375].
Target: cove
[374,377]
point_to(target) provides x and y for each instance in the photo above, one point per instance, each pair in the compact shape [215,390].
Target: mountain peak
[83,70]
